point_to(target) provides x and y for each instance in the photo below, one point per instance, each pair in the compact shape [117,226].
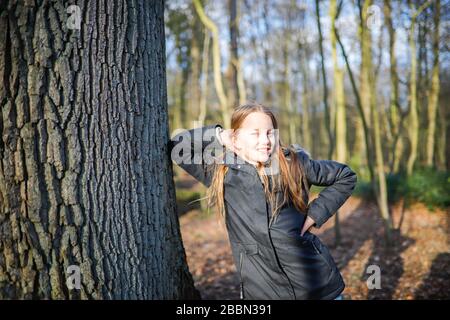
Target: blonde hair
[291,181]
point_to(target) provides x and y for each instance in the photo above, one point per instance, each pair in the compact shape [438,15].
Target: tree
[371,137]
[434,89]
[181,84]
[287,106]
[413,116]
[369,100]
[304,56]
[236,85]
[395,112]
[329,124]
[85,176]
[211,26]
[339,103]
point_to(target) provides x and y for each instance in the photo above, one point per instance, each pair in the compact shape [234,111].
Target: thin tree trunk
[268,96]
[306,100]
[413,117]
[232,88]
[442,152]
[205,74]
[434,90]
[223,100]
[194,76]
[394,107]
[369,92]
[85,176]
[360,108]
[237,77]
[379,184]
[339,106]
[287,93]
[328,121]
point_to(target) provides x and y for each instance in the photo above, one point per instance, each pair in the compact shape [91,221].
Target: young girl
[261,189]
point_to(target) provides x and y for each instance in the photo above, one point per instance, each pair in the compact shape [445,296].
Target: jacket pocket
[323,252]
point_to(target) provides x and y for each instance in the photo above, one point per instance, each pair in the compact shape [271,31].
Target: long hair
[290,182]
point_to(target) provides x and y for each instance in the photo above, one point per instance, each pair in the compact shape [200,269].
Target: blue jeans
[339,297]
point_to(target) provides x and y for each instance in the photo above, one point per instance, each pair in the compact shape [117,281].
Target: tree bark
[368,88]
[413,117]
[306,97]
[236,85]
[210,25]
[205,73]
[85,175]
[328,121]
[433,96]
[339,106]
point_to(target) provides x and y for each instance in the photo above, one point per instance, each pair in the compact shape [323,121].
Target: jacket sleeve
[339,181]
[193,150]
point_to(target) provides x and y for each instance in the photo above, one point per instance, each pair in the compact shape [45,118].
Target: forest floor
[416,266]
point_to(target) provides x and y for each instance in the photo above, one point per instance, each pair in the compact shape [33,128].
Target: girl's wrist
[219,131]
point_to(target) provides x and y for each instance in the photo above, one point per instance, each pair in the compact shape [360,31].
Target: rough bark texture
[85,176]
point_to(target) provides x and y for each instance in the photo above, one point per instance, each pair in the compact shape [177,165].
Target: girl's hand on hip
[309,222]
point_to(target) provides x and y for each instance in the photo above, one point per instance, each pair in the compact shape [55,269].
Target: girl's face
[255,139]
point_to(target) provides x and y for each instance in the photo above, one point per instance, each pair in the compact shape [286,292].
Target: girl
[260,188]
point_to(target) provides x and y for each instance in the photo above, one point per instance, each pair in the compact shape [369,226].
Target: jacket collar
[232,160]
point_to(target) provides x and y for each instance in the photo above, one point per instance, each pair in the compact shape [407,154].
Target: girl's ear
[234,135]
[234,139]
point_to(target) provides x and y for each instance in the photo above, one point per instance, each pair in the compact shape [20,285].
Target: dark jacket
[273,260]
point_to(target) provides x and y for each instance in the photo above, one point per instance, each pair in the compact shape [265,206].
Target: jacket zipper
[270,238]
[240,273]
[273,248]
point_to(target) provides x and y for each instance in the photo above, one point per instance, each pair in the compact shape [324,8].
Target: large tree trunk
[85,175]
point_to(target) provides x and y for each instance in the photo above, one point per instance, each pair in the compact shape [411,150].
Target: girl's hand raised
[226,139]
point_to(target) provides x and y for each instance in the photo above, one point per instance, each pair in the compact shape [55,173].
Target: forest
[360,82]
[92,206]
